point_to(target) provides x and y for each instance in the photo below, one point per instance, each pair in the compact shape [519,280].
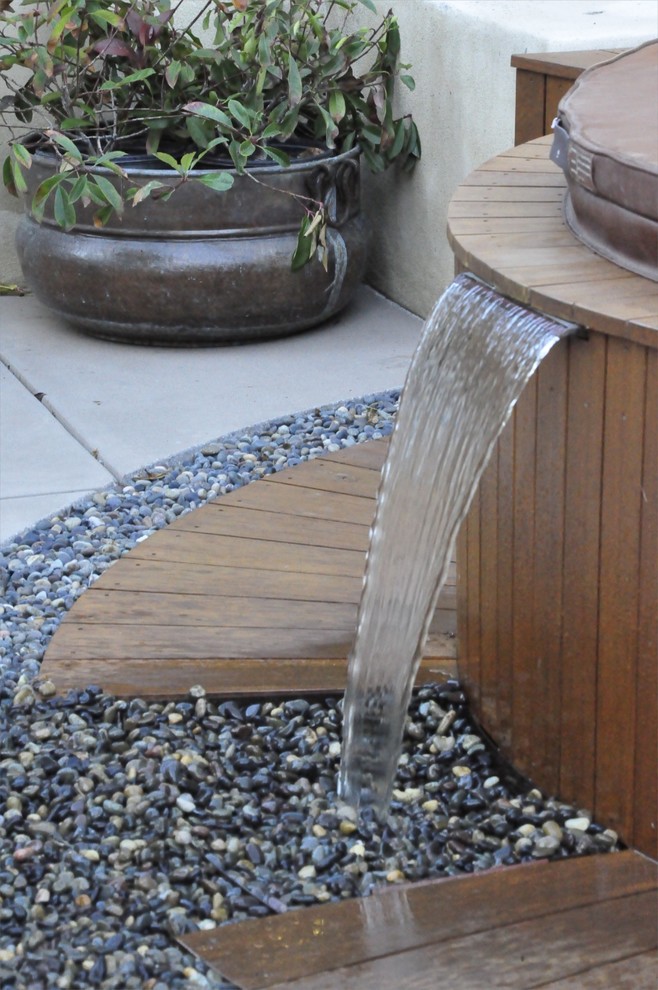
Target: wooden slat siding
[307,945]
[552,947]
[552,377]
[579,617]
[621,508]
[504,672]
[171,679]
[635,973]
[524,699]
[487,687]
[608,620]
[645,833]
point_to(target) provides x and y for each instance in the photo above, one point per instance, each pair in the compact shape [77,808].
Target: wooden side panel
[546,607]
[564,676]
[555,90]
[621,505]
[530,102]
[645,834]
[524,699]
[505,568]
[581,567]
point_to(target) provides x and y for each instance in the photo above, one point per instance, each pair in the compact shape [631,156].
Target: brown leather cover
[611,117]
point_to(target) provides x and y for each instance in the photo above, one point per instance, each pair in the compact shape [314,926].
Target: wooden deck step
[255,593]
[587,923]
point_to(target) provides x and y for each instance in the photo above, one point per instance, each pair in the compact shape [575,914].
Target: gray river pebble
[124,824]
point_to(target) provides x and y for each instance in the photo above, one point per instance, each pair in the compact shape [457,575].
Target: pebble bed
[124,824]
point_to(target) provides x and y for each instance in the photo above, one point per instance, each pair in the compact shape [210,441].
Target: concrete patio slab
[108,409]
[43,466]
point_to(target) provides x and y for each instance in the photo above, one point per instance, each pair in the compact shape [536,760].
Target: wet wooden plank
[638,972]
[554,947]
[392,935]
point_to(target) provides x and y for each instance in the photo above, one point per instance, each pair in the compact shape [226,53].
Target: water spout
[476,353]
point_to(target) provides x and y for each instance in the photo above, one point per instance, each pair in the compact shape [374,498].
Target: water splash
[476,353]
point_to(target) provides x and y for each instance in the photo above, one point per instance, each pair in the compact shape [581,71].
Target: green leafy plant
[240,82]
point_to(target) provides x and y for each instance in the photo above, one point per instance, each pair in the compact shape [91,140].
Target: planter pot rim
[135,170]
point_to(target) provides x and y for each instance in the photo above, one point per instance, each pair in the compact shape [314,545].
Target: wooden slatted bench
[255,593]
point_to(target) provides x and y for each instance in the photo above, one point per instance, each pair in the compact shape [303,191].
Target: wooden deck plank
[227,677]
[370,454]
[243,594]
[182,547]
[258,524]
[156,575]
[176,609]
[308,504]
[324,476]
[554,947]
[637,972]
[317,947]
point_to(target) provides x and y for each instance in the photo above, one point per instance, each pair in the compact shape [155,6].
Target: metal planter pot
[202,267]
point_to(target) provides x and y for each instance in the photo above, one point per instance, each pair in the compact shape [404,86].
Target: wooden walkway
[256,593]
[578,924]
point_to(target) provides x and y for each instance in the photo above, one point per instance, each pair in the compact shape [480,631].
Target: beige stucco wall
[464,106]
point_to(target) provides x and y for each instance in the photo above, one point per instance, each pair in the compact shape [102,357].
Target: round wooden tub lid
[606,140]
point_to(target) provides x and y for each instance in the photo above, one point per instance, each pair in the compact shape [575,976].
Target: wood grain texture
[400,935]
[254,593]
[572,701]
[549,270]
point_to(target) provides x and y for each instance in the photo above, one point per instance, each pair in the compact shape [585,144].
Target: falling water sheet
[476,354]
